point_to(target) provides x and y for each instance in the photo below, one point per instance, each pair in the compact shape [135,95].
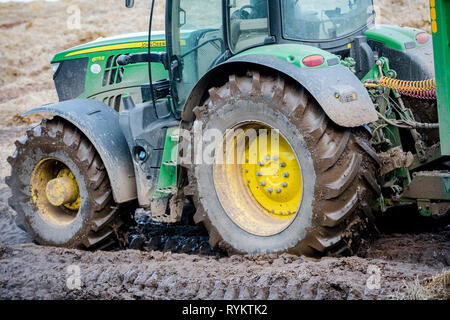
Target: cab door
[195,42]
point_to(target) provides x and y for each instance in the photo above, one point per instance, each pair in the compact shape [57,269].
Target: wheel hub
[63,190]
[275,180]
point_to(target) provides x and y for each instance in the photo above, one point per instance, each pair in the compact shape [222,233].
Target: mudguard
[100,124]
[338,91]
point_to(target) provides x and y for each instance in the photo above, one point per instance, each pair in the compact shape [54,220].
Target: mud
[27,273]
[175,261]
[183,237]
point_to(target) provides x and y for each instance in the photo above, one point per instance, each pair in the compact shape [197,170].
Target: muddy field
[411,264]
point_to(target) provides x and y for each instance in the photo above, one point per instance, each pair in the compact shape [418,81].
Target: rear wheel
[311,195]
[61,191]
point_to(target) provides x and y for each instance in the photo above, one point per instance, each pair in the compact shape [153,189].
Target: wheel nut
[260,163]
[286,174]
[262,183]
[269,190]
[277,190]
[283,164]
[248,181]
[275,158]
[284,184]
[246,171]
[259,173]
[267,158]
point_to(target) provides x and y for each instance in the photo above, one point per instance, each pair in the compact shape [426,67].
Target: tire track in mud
[27,273]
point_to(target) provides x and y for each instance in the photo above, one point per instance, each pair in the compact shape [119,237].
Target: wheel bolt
[281,212]
[260,163]
[267,158]
[246,160]
[283,164]
[275,158]
[262,183]
[248,181]
[289,212]
[277,190]
[259,173]
[269,190]
[246,171]
[284,184]
[273,211]
[286,174]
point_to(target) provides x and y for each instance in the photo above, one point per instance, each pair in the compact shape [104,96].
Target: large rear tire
[337,168]
[57,152]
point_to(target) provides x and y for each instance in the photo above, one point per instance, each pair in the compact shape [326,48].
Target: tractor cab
[220,29]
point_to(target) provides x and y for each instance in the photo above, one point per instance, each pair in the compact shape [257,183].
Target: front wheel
[61,190]
[297,182]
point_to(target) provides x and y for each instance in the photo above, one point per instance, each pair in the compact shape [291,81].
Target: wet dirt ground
[386,269]
[169,265]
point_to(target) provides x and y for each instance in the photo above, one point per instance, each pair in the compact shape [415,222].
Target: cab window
[248,25]
[325,19]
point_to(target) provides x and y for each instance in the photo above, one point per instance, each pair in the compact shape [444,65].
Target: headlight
[55,67]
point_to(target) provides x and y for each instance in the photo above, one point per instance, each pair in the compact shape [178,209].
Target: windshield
[325,19]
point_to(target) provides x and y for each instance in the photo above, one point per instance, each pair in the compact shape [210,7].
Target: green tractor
[289,125]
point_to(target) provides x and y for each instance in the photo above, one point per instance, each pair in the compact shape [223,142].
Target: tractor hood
[137,40]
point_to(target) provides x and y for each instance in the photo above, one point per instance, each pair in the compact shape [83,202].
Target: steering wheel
[243,14]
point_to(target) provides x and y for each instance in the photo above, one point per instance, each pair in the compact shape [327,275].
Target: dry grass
[438,288]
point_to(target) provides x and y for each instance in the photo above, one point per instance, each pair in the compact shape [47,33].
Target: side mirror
[129,3]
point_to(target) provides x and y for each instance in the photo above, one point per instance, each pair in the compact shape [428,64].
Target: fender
[100,124]
[338,91]
[410,59]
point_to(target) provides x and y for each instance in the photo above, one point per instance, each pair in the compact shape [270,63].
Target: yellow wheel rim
[258,179]
[55,191]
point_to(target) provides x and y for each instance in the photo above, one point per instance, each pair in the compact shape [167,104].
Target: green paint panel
[292,53]
[394,37]
[167,180]
[441,44]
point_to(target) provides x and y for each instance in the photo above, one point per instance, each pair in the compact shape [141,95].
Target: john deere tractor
[289,125]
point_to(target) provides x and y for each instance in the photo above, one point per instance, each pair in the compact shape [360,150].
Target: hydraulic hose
[425,89]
